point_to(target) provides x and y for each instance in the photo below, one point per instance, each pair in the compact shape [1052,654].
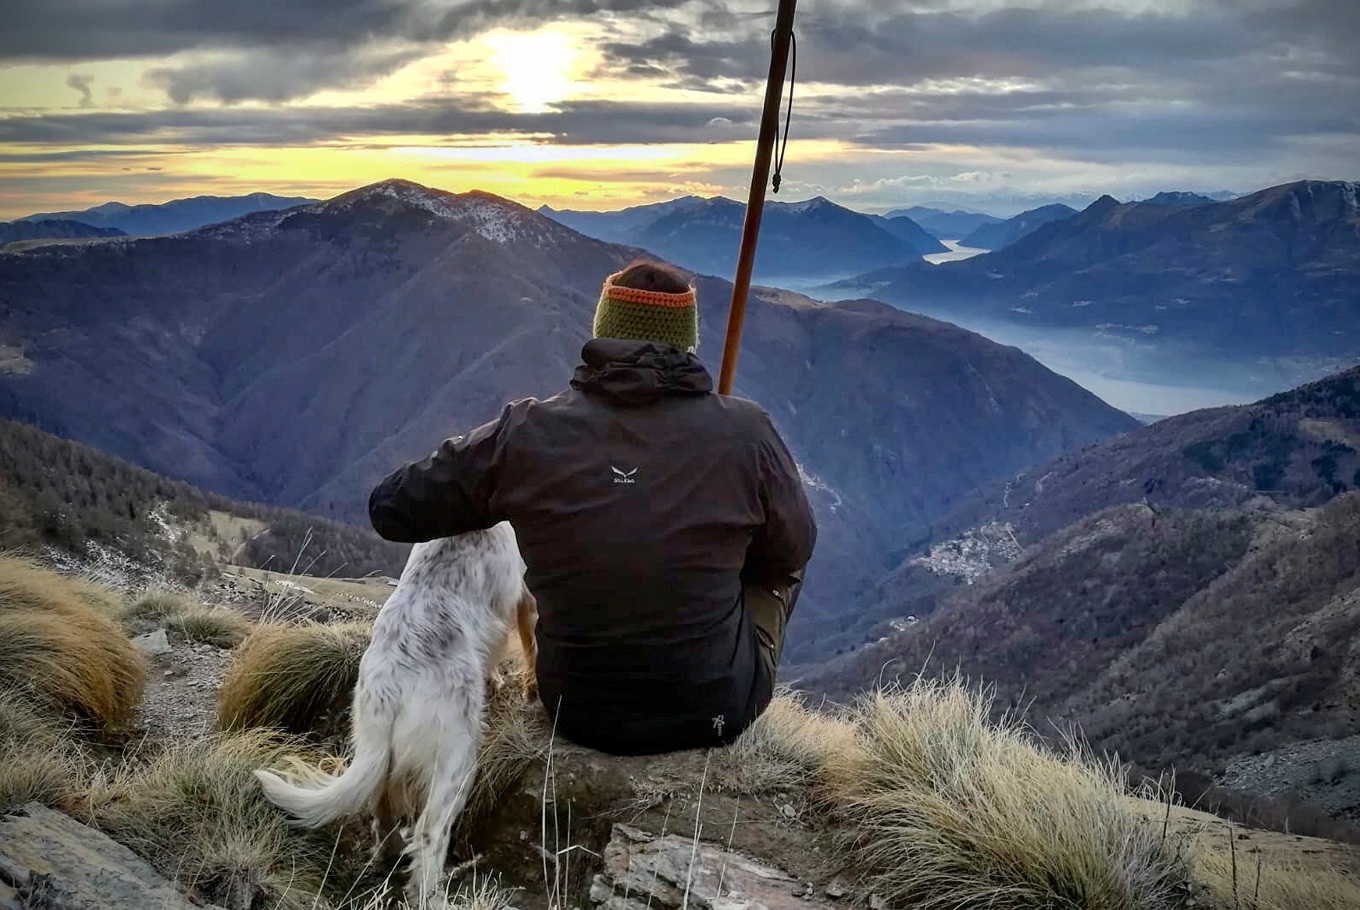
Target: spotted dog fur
[418,704]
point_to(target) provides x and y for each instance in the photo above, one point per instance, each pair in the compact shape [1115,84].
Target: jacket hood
[639,372]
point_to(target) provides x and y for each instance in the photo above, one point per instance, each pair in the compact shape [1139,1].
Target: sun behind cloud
[536,69]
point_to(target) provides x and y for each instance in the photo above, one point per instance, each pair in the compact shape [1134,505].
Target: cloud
[81,82]
[274,74]
[1131,80]
[51,157]
[927,90]
[584,122]
[73,30]
[870,43]
[236,47]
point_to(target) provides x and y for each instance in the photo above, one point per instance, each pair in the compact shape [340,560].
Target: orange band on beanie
[652,298]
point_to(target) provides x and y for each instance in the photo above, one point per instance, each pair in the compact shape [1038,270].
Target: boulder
[581,828]
[50,861]
[153,643]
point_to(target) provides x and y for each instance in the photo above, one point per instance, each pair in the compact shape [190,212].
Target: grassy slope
[962,812]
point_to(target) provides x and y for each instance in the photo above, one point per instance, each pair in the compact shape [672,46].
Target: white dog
[417,717]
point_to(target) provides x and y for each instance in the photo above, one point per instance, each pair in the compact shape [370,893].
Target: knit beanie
[630,313]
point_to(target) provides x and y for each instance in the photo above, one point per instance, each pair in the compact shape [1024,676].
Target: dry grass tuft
[197,813]
[156,604]
[97,597]
[290,677]
[217,626]
[35,761]
[22,722]
[63,652]
[789,745]
[949,810]
[153,609]
[483,893]
[28,586]
[1281,887]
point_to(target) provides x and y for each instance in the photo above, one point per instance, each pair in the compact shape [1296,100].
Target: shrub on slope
[60,647]
[197,813]
[949,810]
[289,677]
[36,761]
[218,626]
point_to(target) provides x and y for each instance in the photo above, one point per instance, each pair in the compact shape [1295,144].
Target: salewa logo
[621,476]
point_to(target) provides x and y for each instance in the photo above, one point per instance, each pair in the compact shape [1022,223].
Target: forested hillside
[65,495]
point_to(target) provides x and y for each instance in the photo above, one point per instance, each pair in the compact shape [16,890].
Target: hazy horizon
[995,211]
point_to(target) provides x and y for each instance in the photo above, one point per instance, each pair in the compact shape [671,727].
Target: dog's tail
[318,798]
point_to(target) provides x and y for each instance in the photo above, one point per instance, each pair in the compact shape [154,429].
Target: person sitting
[664,527]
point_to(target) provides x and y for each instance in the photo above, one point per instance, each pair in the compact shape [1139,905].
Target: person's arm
[783,546]
[447,493]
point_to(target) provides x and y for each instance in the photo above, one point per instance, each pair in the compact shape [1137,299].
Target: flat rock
[642,870]
[554,830]
[837,888]
[50,860]
[153,643]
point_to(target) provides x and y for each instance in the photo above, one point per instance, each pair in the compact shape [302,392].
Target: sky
[595,104]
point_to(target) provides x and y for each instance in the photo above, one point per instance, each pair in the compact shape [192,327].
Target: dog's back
[419,700]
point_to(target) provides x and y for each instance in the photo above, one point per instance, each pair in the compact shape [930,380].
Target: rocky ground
[1325,773]
[181,688]
[183,678]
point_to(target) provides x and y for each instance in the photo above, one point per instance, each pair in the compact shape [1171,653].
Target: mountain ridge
[1273,274]
[53,229]
[1154,590]
[945,225]
[814,236]
[1291,451]
[173,216]
[297,356]
[996,236]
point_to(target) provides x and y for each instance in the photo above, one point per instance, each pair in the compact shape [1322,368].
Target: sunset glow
[536,68]
[978,102]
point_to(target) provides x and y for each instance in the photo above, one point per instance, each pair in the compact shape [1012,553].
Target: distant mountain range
[944,225]
[1275,274]
[1184,198]
[175,216]
[296,356]
[619,226]
[918,238]
[54,229]
[809,238]
[1004,233]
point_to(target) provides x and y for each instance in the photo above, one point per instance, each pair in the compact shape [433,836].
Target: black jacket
[641,500]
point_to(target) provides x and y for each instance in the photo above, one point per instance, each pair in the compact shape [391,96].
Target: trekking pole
[755,203]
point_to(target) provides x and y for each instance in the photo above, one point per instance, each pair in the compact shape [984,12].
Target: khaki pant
[770,610]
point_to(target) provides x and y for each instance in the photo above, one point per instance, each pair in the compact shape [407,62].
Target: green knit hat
[647,315]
